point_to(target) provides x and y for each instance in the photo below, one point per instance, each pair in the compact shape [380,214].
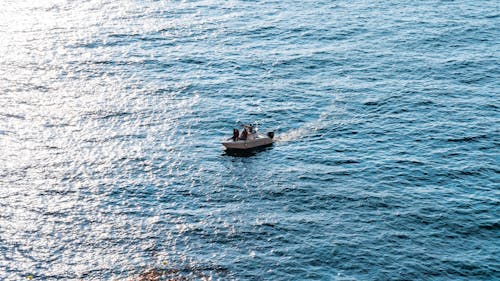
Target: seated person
[236,134]
[244,134]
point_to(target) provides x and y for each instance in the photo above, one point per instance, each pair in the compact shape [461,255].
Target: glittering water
[386,165]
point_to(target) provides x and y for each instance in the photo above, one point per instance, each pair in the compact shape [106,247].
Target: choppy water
[386,112]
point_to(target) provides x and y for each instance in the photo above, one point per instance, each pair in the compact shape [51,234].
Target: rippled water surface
[386,165]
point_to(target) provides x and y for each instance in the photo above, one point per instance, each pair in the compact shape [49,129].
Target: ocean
[385,165]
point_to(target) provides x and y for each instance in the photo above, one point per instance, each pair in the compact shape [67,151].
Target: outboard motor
[270,135]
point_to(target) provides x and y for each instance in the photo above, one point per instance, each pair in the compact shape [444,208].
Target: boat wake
[332,116]
[308,129]
[295,134]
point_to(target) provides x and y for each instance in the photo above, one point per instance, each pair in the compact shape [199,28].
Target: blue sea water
[386,165]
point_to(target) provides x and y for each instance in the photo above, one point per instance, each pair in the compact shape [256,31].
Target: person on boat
[244,134]
[236,134]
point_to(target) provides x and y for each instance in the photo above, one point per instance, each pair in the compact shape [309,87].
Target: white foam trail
[294,134]
[323,122]
[333,115]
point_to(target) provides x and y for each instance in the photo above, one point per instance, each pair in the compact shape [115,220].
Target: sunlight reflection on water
[111,116]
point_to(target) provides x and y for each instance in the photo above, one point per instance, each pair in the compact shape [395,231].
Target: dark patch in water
[468,139]
[185,273]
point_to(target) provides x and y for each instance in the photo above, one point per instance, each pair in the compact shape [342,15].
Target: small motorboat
[248,139]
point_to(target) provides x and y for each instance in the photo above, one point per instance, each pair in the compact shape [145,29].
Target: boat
[248,139]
